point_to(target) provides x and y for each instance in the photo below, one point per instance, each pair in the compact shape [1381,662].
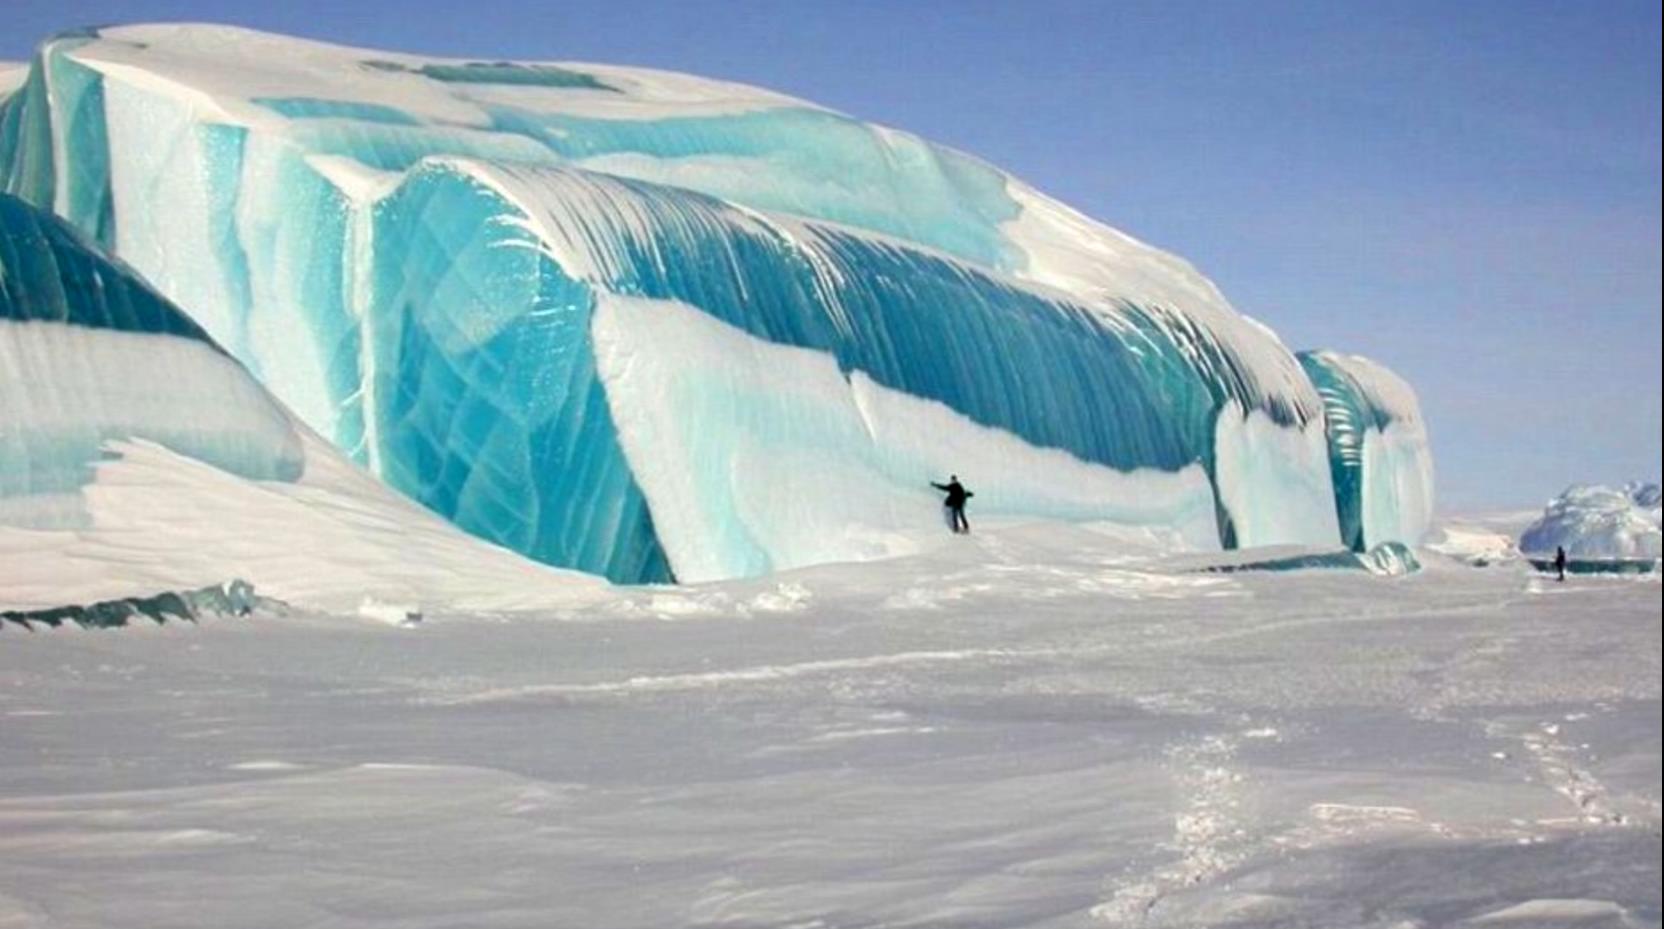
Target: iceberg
[657,327]
[1596,523]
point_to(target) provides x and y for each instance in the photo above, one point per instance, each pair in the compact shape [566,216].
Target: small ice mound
[265,764]
[1594,523]
[669,604]
[784,598]
[1390,559]
[1473,545]
[393,614]
[1363,814]
[199,837]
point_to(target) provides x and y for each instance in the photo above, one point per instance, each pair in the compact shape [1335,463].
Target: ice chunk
[393,614]
[233,598]
[1647,495]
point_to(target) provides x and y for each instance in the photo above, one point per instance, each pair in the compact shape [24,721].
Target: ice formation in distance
[463,273]
[136,456]
[1595,523]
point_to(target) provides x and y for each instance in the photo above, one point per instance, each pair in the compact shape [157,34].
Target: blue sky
[1469,192]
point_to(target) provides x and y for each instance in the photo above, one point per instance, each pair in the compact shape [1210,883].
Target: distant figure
[1560,561]
[955,502]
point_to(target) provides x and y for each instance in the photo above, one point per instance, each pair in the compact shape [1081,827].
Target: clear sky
[1468,192]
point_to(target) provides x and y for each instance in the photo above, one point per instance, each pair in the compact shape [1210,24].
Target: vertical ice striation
[460,274]
[1381,463]
[484,402]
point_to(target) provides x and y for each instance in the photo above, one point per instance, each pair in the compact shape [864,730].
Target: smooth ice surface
[1257,460]
[1380,461]
[408,251]
[1595,522]
[1025,728]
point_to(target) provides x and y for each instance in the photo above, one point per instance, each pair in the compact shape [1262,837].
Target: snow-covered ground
[1027,727]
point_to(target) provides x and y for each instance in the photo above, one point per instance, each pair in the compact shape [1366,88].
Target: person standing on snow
[955,502]
[1560,561]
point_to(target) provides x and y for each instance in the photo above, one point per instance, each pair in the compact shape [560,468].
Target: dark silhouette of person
[1560,561]
[955,502]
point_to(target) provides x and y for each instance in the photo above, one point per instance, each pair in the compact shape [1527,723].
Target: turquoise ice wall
[419,289]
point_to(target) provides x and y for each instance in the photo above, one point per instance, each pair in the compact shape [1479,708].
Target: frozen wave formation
[652,326]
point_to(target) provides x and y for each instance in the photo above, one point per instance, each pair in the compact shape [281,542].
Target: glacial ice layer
[653,326]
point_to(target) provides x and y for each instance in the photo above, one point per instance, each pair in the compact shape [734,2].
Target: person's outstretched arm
[938,486]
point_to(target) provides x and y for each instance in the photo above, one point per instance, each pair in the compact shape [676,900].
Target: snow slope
[410,254]
[1029,727]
